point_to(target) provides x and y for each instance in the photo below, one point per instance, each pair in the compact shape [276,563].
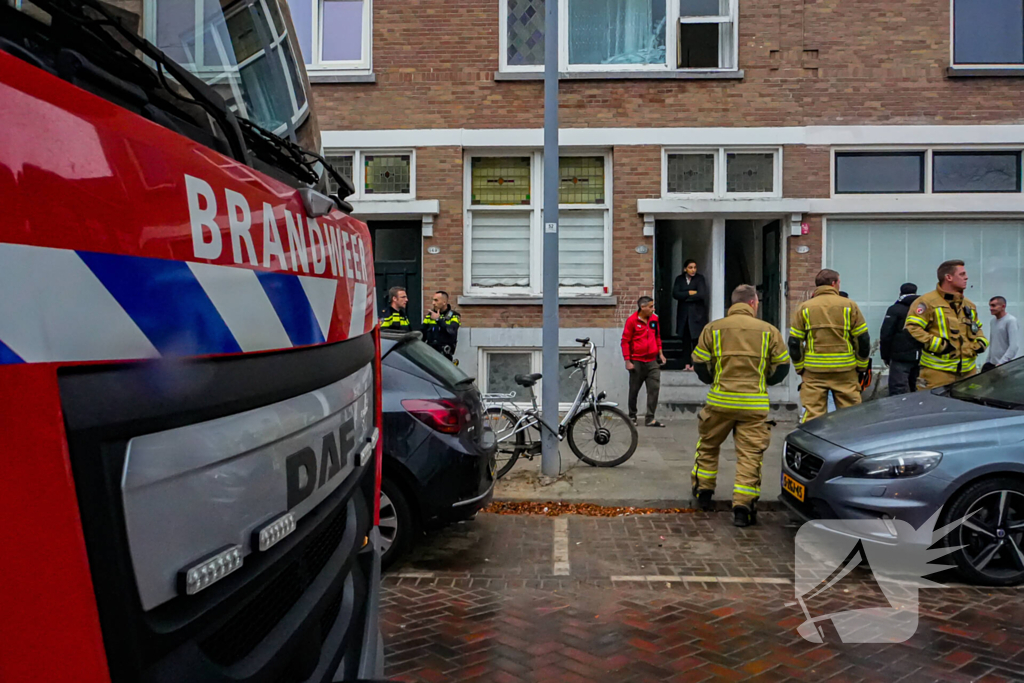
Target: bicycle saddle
[527,380]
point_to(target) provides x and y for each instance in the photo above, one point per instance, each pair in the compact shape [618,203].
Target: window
[722,173]
[976,172]
[242,51]
[502,365]
[988,32]
[623,35]
[376,175]
[879,172]
[940,171]
[504,225]
[875,257]
[334,35]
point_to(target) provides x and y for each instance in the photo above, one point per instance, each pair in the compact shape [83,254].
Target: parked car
[958,448]
[439,455]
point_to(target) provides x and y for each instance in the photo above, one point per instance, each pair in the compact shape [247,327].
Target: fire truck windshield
[241,48]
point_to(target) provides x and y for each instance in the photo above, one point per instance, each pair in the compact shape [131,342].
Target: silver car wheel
[993,534]
[388,523]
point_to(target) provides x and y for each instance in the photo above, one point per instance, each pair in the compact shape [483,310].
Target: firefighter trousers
[751,435]
[937,378]
[844,385]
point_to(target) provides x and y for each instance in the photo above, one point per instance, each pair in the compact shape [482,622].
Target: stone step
[680,378]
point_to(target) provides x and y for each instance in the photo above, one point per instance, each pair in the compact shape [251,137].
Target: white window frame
[149,28]
[359,173]
[952,48]
[536,209]
[721,158]
[522,399]
[728,49]
[316,65]
[928,168]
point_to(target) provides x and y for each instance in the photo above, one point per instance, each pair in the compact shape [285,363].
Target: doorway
[398,262]
[728,253]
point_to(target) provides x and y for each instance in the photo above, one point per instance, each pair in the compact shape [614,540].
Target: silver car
[959,449]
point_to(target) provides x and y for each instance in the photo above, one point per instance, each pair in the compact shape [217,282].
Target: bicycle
[599,433]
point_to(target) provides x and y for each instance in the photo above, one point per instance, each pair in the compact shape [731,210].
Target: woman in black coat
[691,291]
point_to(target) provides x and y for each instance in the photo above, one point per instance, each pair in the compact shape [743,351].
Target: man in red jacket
[641,347]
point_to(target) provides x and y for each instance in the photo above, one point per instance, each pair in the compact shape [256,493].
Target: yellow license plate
[795,488]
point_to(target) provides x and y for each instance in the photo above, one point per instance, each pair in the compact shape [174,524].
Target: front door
[397,262]
[771,274]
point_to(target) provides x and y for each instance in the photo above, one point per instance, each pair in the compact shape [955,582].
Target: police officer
[739,356]
[441,326]
[830,345]
[394,317]
[946,323]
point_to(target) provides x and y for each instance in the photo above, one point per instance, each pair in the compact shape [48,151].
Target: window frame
[928,180]
[672,22]
[976,152]
[317,66]
[536,209]
[720,175]
[536,365]
[971,65]
[359,173]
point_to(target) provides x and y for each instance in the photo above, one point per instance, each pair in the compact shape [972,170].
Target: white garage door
[874,257]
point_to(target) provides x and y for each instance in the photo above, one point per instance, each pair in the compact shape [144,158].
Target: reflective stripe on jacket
[395,320]
[442,334]
[742,352]
[938,317]
[828,325]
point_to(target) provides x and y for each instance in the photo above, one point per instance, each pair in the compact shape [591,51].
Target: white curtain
[501,248]
[581,248]
[614,31]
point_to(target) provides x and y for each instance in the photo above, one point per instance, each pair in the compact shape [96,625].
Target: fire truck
[189,355]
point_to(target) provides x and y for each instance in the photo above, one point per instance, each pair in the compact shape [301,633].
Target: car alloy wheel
[993,535]
[388,523]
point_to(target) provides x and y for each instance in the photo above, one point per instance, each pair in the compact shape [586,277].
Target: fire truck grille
[240,634]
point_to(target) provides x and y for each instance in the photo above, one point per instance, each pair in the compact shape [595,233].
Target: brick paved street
[659,598]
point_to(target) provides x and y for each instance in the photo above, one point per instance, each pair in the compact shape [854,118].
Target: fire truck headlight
[270,534]
[210,570]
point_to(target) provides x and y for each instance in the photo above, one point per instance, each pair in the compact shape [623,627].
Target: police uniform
[442,334]
[826,350]
[948,327]
[741,353]
[391,319]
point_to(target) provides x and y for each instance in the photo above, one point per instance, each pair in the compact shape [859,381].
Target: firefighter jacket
[948,327]
[742,353]
[395,320]
[825,331]
[442,334]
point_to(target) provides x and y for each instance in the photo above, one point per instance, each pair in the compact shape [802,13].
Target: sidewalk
[658,474]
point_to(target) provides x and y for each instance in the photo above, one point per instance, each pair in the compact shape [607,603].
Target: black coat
[692,309]
[894,342]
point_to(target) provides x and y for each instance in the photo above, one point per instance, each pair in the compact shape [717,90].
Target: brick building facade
[765,139]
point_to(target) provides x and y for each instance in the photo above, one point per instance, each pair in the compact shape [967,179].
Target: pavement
[658,474]
[677,598]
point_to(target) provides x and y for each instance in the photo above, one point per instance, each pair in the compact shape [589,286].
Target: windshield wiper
[990,402]
[284,152]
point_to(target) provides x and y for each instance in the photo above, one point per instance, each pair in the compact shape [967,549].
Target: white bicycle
[599,433]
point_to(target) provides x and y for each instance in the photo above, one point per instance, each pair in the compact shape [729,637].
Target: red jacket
[641,341]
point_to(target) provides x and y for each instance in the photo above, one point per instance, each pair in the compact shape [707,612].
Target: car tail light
[442,415]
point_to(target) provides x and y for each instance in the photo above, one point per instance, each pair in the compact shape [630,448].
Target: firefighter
[441,326]
[946,323]
[830,347]
[394,317]
[739,356]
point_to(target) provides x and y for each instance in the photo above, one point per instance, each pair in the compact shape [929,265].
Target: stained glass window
[690,173]
[343,165]
[581,180]
[501,180]
[750,172]
[387,174]
[525,32]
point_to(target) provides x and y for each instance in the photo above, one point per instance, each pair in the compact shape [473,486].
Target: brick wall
[801,268]
[805,171]
[815,62]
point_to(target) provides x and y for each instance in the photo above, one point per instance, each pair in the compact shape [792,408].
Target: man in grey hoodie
[1005,335]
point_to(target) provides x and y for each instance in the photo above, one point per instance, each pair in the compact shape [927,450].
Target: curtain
[501,248]
[616,31]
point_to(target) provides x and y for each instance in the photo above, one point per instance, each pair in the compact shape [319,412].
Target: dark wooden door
[771,274]
[398,261]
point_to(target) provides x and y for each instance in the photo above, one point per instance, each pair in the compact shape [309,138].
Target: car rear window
[433,362]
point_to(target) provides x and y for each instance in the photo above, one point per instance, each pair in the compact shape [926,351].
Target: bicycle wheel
[610,443]
[510,443]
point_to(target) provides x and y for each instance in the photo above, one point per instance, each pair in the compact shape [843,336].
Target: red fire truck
[189,358]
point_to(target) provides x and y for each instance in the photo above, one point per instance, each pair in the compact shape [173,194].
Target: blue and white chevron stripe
[59,305]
